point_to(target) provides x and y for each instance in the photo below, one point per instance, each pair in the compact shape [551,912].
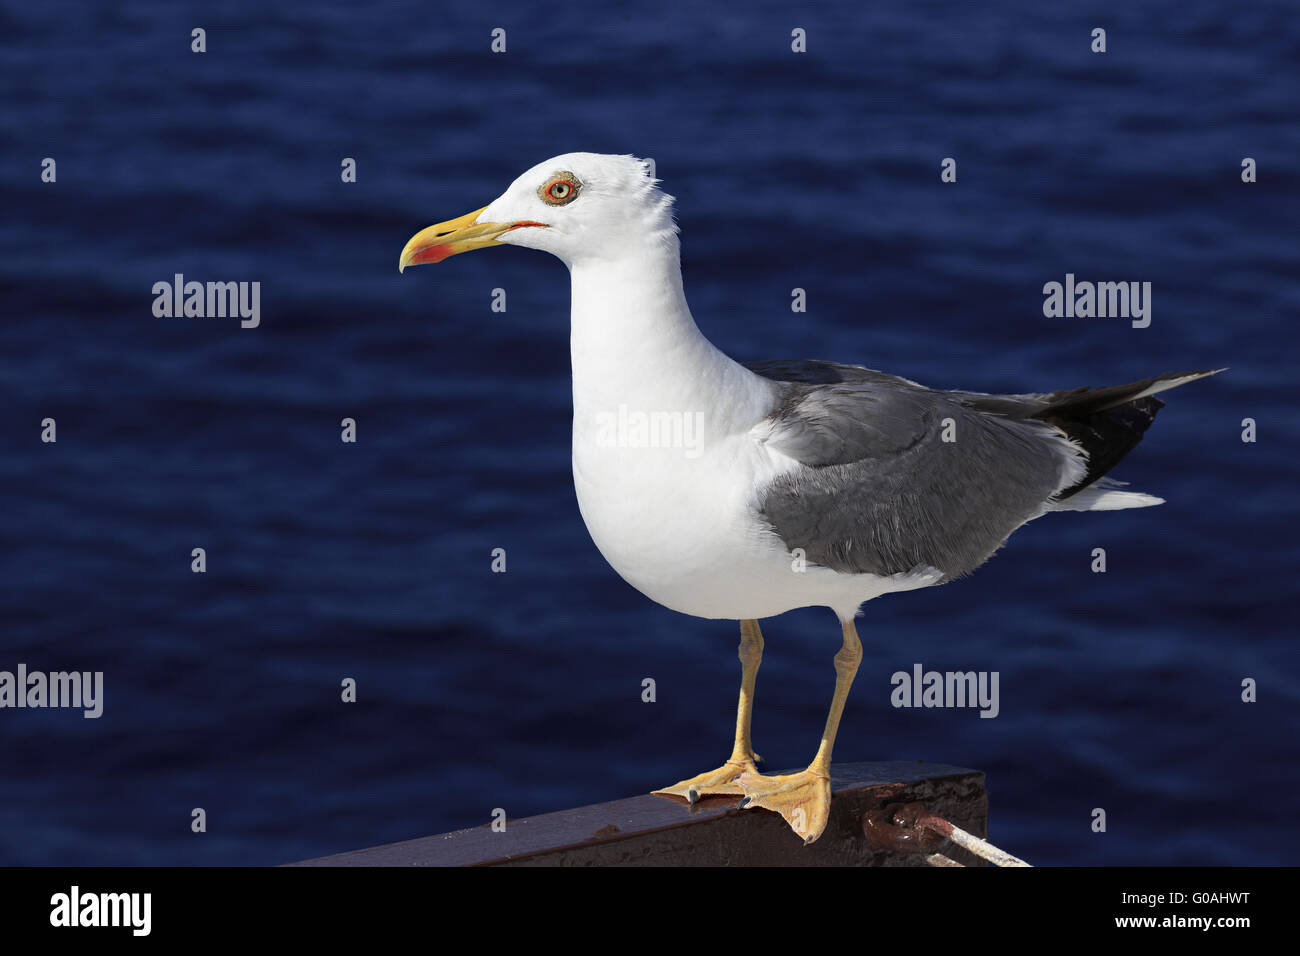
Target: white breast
[673,507]
[679,529]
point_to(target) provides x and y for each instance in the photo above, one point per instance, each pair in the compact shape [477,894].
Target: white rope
[983,848]
[915,816]
[968,841]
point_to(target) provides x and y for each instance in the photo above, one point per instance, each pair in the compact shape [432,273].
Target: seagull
[738,491]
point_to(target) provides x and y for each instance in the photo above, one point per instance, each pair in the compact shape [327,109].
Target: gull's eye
[560,189]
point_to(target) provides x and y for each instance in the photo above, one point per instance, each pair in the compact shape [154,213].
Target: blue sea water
[372,560]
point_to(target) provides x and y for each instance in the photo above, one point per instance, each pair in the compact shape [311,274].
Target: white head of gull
[724,490]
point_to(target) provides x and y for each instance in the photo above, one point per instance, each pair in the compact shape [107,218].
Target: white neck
[633,342]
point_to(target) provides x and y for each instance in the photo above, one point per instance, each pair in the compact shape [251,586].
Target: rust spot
[607,831]
[899,828]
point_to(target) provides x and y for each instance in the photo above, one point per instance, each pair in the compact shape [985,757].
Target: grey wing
[894,476]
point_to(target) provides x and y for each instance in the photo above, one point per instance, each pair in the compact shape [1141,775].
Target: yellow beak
[452,237]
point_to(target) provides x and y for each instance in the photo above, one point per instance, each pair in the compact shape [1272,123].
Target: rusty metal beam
[663,831]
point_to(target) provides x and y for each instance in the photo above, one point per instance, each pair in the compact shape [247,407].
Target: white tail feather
[1102,495]
[1167,384]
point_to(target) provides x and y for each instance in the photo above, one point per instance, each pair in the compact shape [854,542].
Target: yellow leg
[743,759]
[804,798]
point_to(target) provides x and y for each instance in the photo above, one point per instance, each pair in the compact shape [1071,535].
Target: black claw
[744,802]
[692,796]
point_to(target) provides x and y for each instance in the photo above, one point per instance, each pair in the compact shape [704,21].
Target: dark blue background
[371,560]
